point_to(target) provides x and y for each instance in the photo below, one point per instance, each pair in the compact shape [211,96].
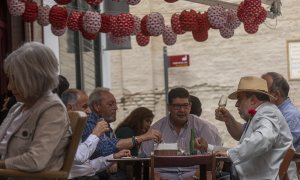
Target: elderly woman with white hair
[35,134]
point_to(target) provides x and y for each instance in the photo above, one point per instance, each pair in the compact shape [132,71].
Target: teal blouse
[127,132]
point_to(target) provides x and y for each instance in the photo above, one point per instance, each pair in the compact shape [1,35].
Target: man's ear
[69,107]
[97,107]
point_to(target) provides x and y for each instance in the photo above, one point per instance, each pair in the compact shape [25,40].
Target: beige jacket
[41,140]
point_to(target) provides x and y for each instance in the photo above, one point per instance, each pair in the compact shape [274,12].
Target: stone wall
[216,64]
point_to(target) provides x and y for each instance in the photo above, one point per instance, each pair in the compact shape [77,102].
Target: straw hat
[251,84]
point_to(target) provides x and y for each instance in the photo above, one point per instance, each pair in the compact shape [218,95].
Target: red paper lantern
[175,24]
[169,37]
[144,29]
[142,40]
[188,20]
[155,24]
[137,25]
[251,28]
[16,7]
[217,16]
[43,15]
[31,11]
[122,25]
[58,16]
[73,20]
[200,36]
[226,32]
[58,32]
[202,22]
[105,23]
[91,22]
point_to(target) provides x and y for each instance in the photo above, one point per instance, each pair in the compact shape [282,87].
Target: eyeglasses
[179,106]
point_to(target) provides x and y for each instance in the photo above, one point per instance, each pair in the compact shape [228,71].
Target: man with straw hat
[265,137]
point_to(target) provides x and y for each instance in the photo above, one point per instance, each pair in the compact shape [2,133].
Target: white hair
[33,68]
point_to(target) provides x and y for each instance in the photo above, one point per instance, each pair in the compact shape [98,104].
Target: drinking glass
[183,147]
[222,101]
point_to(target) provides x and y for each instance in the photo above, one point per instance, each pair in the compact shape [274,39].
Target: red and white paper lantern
[43,15]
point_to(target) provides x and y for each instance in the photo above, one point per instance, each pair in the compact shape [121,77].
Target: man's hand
[201,144]
[222,114]
[122,153]
[150,134]
[100,128]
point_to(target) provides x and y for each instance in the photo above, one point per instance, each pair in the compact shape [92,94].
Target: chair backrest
[77,122]
[184,161]
[288,157]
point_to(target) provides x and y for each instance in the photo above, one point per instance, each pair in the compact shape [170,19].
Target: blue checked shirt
[107,142]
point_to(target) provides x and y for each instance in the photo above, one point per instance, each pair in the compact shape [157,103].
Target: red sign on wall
[179,60]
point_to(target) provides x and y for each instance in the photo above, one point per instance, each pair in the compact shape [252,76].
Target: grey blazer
[262,146]
[40,142]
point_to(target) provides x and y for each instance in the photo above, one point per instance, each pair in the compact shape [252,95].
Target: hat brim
[234,94]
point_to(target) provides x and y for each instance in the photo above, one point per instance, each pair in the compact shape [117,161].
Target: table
[143,163]
[204,161]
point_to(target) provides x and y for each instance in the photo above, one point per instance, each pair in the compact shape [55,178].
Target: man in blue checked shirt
[103,106]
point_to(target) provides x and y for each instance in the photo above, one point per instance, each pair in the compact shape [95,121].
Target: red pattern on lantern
[144,29]
[169,37]
[91,22]
[142,40]
[16,7]
[31,11]
[105,23]
[122,25]
[226,32]
[202,22]
[200,36]
[188,20]
[251,28]
[137,25]
[58,32]
[217,16]
[73,20]
[58,16]
[175,24]
[43,15]
[155,24]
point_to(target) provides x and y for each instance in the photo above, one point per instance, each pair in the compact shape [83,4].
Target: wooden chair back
[77,120]
[184,161]
[288,157]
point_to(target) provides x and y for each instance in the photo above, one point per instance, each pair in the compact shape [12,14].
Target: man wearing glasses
[177,125]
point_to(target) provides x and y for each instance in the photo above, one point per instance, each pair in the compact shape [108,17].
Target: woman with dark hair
[136,123]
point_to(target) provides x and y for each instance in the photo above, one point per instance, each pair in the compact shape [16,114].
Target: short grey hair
[96,96]
[279,83]
[70,96]
[33,68]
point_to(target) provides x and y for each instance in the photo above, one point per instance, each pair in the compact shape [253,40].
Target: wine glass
[222,101]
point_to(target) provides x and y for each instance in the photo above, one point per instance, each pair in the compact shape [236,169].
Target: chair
[77,120]
[297,161]
[288,157]
[205,162]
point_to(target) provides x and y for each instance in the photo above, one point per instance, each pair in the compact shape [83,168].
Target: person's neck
[29,103]
[279,101]
[177,125]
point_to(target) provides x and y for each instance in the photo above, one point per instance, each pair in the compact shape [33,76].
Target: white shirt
[82,165]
